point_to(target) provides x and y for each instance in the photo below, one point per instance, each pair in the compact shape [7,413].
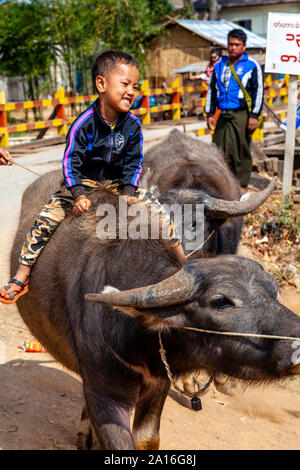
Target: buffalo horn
[176,289]
[219,208]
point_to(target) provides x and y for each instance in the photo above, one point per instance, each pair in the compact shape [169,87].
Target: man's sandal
[15,294]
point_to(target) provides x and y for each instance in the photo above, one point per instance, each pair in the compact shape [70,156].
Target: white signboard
[283,44]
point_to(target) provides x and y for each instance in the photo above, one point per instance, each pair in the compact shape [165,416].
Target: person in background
[236,123]
[215,56]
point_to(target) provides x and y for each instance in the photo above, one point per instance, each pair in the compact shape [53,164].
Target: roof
[200,67]
[217,31]
[202,4]
[196,67]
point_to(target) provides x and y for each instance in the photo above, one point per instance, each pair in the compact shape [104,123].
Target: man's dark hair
[108,60]
[238,34]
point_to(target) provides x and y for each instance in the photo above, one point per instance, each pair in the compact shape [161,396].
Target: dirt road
[40,405]
[40,401]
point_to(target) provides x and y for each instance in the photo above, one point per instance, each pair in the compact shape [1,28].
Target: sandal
[15,294]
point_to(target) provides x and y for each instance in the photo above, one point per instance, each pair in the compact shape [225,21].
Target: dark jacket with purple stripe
[95,151]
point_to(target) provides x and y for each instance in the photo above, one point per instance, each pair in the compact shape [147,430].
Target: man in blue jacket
[235,125]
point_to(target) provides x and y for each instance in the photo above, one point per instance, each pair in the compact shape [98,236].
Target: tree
[74,35]
[214,9]
[160,8]
[190,4]
[128,24]
[37,35]
[26,47]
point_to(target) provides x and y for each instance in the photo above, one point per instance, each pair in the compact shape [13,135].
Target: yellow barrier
[145,111]
[3,123]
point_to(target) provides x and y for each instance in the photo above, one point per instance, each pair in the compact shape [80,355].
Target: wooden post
[288,165]
[61,111]
[146,118]
[176,114]
[3,123]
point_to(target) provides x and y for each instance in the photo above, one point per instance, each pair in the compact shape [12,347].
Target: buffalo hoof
[86,437]
[225,389]
[221,382]
[199,382]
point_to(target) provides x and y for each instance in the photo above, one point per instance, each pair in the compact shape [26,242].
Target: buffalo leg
[148,411]
[86,438]
[110,420]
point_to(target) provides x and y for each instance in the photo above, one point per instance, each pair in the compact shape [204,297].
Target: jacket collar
[121,118]
[244,58]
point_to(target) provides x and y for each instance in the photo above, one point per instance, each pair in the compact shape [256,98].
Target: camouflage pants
[60,203]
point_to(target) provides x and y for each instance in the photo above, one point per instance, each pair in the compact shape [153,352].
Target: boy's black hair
[238,34]
[108,60]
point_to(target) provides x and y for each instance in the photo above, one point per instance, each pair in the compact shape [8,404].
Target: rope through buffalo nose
[249,335]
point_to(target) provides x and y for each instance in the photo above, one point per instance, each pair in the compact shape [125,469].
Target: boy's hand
[130,199]
[82,204]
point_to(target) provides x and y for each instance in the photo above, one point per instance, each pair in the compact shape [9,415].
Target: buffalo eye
[221,303]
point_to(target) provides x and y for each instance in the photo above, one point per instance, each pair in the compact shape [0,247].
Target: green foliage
[37,36]
[160,8]
[128,24]
[276,247]
[287,218]
[25,39]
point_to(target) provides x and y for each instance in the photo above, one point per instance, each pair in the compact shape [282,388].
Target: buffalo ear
[150,320]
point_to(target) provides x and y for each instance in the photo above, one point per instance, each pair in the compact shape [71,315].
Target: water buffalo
[111,339]
[182,167]
[181,161]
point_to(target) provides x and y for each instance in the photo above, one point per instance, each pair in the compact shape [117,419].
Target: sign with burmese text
[283,44]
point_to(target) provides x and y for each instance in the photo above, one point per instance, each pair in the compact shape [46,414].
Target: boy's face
[119,90]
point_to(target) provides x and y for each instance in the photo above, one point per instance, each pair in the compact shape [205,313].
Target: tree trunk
[190,4]
[31,93]
[214,8]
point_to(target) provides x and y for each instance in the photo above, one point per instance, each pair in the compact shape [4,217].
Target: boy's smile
[118,90]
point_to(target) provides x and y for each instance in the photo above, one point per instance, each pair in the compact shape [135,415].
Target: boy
[104,142]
